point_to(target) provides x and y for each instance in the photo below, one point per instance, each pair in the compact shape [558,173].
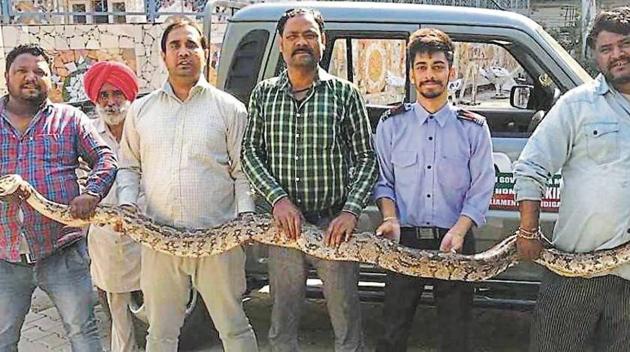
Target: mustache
[431,82]
[302,50]
[623,60]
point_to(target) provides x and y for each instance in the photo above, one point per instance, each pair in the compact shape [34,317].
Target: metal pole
[152,10]
[6,11]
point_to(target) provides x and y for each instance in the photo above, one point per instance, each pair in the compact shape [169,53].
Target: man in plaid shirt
[307,150]
[42,142]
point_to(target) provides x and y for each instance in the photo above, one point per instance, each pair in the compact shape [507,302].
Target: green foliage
[570,37]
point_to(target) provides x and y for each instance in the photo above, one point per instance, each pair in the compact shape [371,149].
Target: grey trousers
[287,276]
[578,314]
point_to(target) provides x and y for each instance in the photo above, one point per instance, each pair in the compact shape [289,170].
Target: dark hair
[32,48]
[182,22]
[616,21]
[290,13]
[430,40]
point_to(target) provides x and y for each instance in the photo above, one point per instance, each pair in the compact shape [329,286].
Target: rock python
[362,247]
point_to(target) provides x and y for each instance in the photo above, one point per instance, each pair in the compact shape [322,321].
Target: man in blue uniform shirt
[436,181]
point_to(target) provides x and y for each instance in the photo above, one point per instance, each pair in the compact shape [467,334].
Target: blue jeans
[65,277]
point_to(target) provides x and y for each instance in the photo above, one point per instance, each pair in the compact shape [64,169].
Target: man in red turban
[114,73]
[115,266]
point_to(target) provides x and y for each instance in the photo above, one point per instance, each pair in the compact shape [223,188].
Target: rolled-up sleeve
[544,154]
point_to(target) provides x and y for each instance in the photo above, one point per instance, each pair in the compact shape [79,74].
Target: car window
[485,74]
[376,66]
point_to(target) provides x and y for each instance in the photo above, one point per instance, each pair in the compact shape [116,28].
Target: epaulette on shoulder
[399,109]
[468,115]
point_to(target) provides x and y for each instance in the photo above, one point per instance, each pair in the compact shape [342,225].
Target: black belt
[314,217]
[424,233]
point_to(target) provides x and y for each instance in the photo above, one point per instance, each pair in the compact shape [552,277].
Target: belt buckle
[426,233]
[27,259]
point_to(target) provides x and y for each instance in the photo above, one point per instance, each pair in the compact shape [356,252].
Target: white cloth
[587,135]
[186,155]
[115,257]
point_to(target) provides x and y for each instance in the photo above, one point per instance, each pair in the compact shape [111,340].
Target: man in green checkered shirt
[307,149]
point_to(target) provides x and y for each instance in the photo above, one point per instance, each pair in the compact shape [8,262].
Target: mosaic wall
[76,47]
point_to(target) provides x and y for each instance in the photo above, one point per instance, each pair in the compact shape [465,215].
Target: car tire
[197,331]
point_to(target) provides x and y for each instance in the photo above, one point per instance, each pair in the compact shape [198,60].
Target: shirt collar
[441,116]
[200,86]
[46,107]
[601,85]
[321,76]
[100,125]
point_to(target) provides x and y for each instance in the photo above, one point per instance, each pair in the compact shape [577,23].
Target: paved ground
[43,330]
[495,330]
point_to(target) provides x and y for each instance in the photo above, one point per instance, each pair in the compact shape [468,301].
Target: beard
[36,97]
[434,93]
[305,61]
[431,95]
[624,78]
[113,116]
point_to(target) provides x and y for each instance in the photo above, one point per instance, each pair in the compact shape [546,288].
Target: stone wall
[76,47]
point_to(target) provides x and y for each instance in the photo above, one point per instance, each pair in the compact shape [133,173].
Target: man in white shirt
[115,265]
[586,135]
[182,144]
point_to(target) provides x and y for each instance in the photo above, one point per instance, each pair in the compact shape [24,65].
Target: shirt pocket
[453,173]
[602,141]
[406,171]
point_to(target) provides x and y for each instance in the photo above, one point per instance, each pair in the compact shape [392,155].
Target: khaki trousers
[123,335]
[220,279]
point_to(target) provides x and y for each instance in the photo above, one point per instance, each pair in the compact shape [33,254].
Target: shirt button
[297,135]
[429,167]
[297,179]
[628,231]
[595,132]
[298,115]
[428,196]
[428,223]
[431,116]
[297,157]
[430,138]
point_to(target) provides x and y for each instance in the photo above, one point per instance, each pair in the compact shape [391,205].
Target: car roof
[350,11]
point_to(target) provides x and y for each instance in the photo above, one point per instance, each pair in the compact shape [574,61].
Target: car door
[491,61]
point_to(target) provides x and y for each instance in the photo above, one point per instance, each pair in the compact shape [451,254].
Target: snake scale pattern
[362,247]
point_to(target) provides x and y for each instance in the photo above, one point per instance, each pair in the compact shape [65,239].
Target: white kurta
[115,257]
